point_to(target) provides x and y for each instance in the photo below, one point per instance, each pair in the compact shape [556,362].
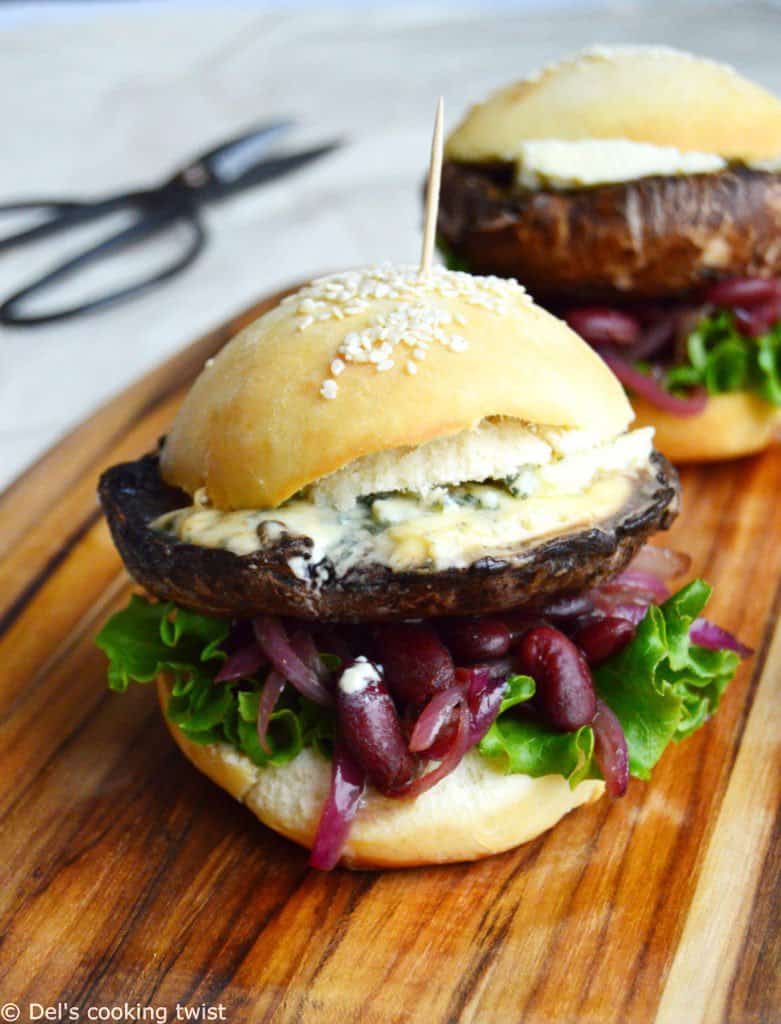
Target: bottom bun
[474,812]
[730,426]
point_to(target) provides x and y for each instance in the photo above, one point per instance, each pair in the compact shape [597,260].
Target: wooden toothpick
[432,195]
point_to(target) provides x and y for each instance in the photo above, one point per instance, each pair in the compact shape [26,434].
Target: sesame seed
[411,367]
[415,321]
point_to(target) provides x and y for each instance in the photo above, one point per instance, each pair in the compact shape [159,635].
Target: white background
[96,99]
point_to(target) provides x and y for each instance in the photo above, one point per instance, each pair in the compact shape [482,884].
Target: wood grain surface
[127,878]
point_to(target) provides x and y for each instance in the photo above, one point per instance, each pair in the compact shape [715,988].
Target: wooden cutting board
[126,877]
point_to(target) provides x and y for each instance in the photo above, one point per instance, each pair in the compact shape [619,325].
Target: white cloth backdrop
[97,99]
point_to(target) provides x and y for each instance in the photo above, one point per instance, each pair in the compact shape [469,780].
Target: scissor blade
[227,161]
[272,168]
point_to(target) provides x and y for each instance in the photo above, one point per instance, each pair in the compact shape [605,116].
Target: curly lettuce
[145,640]
[722,360]
[661,686]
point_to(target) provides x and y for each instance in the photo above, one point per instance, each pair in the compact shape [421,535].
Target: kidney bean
[475,639]
[416,662]
[602,638]
[743,292]
[603,326]
[371,729]
[562,675]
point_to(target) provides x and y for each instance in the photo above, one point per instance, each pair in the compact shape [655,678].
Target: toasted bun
[645,94]
[474,812]
[729,427]
[454,350]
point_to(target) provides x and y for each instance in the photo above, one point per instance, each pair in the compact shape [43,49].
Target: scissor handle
[148,224]
[60,214]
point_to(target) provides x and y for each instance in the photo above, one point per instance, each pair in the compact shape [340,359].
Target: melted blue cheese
[451,527]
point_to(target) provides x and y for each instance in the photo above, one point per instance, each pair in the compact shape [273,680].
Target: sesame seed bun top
[372,360]
[645,94]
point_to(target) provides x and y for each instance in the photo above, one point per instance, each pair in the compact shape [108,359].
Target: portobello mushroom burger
[401,601]
[636,191]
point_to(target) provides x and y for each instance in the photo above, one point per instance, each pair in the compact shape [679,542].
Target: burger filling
[592,685]
[446,504]
[677,354]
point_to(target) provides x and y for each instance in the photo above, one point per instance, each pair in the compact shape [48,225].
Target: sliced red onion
[600,325]
[632,611]
[273,639]
[567,606]
[743,292]
[662,562]
[341,805]
[433,717]
[652,339]
[636,580]
[484,699]
[649,388]
[758,319]
[304,646]
[242,664]
[272,688]
[708,634]
[610,750]
[450,760]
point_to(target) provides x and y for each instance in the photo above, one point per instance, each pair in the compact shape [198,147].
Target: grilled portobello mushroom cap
[652,238]
[218,582]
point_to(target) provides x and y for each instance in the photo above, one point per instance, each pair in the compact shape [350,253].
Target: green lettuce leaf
[145,639]
[662,686]
[722,360]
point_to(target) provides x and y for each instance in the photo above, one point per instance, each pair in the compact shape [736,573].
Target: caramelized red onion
[610,750]
[433,718]
[600,325]
[272,688]
[664,563]
[744,292]
[484,699]
[708,634]
[450,760]
[344,797]
[273,640]
[242,664]
[756,320]
[645,584]
[649,388]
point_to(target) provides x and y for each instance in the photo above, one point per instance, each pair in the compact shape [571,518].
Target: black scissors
[236,164]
